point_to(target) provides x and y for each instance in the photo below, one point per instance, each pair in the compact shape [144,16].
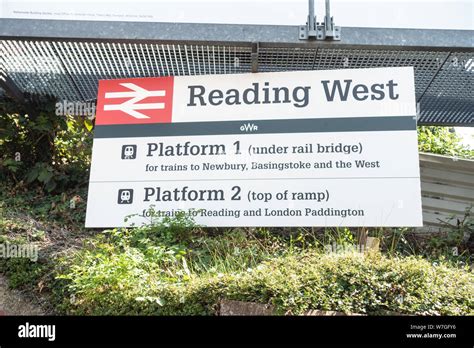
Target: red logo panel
[135,101]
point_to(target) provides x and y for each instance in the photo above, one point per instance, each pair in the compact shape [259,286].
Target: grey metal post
[328,20]
[322,31]
[311,17]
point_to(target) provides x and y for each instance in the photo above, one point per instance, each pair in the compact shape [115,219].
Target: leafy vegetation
[60,210]
[176,267]
[41,149]
[141,271]
[442,141]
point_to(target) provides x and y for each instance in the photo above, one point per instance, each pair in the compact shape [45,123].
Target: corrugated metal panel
[447,187]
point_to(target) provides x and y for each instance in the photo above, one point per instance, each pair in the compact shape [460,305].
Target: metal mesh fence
[70,70]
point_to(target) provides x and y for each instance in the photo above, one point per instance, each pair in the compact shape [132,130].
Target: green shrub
[149,271]
[440,140]
[41,148]
[21,205]
[104,279]
[22,272]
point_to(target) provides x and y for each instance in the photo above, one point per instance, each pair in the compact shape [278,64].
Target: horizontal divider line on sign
[312,125]
[240,179]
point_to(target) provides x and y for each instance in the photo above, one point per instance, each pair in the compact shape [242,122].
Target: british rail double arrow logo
[136,95]
[135,100]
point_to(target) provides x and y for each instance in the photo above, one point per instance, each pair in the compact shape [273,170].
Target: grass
[176,268]
[126,284]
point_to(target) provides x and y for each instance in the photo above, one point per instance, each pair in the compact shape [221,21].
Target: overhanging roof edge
[236,34]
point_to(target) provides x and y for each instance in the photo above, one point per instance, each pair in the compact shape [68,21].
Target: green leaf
[45,175]
[89,125]
[32,175]
[50,185]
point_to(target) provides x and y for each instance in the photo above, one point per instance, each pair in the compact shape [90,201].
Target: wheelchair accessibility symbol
[125,196]
[129,151]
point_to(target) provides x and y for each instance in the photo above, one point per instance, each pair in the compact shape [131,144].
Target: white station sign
[306,148]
